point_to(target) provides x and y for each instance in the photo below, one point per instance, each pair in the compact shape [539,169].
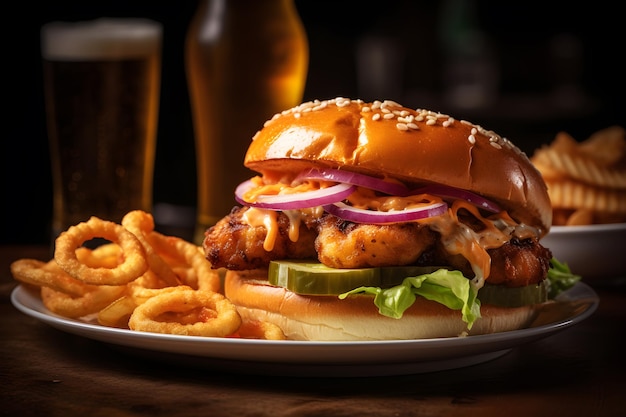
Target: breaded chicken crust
[343,244]
[233,244]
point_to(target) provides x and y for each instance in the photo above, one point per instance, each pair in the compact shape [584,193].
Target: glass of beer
[102,87]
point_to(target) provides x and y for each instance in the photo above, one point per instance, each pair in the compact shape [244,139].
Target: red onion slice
[355,178]
[357,215]
[295,201]
[451,192]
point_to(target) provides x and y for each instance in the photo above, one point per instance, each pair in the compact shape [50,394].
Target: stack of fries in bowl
[587,186]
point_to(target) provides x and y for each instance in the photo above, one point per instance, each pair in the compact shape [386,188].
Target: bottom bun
[327,318]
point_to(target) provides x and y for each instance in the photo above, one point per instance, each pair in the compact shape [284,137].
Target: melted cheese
[268,218]
[460,239]
[256,217]
[295,218]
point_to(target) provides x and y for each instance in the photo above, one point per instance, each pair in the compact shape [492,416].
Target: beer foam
[104,38]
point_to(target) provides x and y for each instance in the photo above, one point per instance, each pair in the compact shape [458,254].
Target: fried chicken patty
[514,264]
[519,262]
[234,244]
[343,244]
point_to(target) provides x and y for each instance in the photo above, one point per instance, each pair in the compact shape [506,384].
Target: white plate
[337,359]
[594,251]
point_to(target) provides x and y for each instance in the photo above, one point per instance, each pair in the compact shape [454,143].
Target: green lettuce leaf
[560,278]
[449,288]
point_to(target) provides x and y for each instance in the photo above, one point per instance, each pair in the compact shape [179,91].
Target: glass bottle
[246,60]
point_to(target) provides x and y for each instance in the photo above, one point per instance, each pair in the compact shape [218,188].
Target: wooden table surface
[579,371]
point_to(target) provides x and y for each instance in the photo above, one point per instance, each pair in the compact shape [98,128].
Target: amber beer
[246,61]
[102,84]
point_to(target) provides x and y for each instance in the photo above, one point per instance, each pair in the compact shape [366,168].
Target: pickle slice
[502,296]
[310,277]
[315,278]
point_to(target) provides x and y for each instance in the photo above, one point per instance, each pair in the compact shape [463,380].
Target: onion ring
[117,314]
[107,255]
[141,224]
[89,303]
[147,280]
[133,264]
[295,201]
[202,277]
[47,274]
[140,295]
[254,329]
[358,215]
[152,315]
[451,192]
[354,178]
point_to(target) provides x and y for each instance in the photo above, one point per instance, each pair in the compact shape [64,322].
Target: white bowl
[594,251]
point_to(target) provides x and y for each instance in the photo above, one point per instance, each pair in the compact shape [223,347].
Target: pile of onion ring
[138,279]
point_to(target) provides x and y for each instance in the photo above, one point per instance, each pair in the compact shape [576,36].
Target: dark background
[552,70]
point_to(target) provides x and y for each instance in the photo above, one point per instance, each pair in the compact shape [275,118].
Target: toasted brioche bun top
[385,139]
